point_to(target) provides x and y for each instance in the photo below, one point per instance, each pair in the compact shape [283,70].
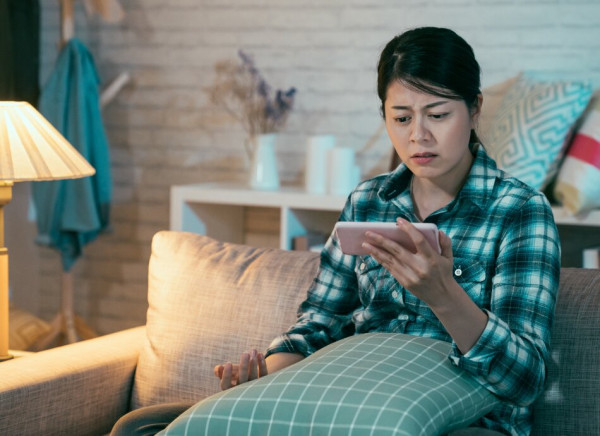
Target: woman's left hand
[252,366]
[425,273]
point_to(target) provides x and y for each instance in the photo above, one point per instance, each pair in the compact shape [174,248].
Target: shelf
[286,196]
[217,210]
[563,217]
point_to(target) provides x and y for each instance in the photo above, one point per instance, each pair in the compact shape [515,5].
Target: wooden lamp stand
[5,197]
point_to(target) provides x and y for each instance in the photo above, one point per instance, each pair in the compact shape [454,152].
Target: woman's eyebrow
[427,106]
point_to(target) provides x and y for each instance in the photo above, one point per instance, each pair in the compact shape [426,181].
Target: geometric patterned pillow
[380,384]
[532,126]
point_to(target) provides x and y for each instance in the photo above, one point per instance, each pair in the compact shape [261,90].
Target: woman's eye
[402,120]
[439,116]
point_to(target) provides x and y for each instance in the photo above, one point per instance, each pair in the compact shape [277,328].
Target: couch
[209,301]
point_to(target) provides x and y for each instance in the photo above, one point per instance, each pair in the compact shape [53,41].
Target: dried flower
[241,90]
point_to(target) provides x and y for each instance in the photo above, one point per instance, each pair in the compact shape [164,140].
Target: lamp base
[66,327]
[5,197]
[5,358]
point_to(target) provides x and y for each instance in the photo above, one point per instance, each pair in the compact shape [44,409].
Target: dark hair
[432,60]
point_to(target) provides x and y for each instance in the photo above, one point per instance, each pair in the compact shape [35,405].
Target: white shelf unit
[217,210]
[563,217]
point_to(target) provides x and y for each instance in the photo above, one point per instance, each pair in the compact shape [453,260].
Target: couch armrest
[82,388]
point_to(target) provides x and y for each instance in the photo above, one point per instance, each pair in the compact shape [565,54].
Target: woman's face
[430,133]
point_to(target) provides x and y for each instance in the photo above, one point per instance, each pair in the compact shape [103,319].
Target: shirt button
[458,272]
[395,295]
[362,266]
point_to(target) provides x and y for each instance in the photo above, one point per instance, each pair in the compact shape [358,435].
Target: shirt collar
[477,189]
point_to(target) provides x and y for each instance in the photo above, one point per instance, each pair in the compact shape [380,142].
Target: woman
[492,290]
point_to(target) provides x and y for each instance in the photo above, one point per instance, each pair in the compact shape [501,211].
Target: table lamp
[31,149]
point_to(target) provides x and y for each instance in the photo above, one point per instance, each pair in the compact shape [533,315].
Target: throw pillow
[532,125]
[374,383]
[578,183]
[209,301]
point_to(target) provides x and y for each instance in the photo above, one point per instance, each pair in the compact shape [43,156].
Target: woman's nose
[419,131]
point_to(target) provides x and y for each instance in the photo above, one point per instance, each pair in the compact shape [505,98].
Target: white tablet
[351,235]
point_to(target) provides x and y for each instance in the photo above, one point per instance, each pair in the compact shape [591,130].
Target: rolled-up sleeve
[511,354]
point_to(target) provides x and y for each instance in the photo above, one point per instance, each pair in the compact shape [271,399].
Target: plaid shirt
[506,257]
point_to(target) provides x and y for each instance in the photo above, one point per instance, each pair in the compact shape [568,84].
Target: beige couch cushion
[189,330]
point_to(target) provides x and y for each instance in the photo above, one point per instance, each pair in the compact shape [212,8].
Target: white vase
[315,175]
[263,167]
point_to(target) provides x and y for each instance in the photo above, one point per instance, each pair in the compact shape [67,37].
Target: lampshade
[32,149]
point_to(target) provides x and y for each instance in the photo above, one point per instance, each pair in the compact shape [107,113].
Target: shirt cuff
[287,344]
[491,342]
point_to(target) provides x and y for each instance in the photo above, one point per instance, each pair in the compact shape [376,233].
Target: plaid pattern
[506,257]
[374,384]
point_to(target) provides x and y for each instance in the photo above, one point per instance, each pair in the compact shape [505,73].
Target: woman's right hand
[252,366]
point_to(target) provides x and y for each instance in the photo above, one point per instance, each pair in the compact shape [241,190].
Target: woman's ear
[476,111]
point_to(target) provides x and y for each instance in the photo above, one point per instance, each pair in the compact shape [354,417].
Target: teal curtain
[72,213]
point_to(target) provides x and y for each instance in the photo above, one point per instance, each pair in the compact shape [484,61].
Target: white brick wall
[163,131]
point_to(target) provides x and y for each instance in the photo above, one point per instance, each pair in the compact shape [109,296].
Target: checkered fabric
[372,384]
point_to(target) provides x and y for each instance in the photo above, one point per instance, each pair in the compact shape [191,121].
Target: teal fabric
[71,213]
[369,384]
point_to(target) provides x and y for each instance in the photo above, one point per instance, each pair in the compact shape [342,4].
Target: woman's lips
[423,158]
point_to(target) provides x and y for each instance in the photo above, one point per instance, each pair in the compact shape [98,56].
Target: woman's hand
[252,366]
[429,276]
[425,273]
